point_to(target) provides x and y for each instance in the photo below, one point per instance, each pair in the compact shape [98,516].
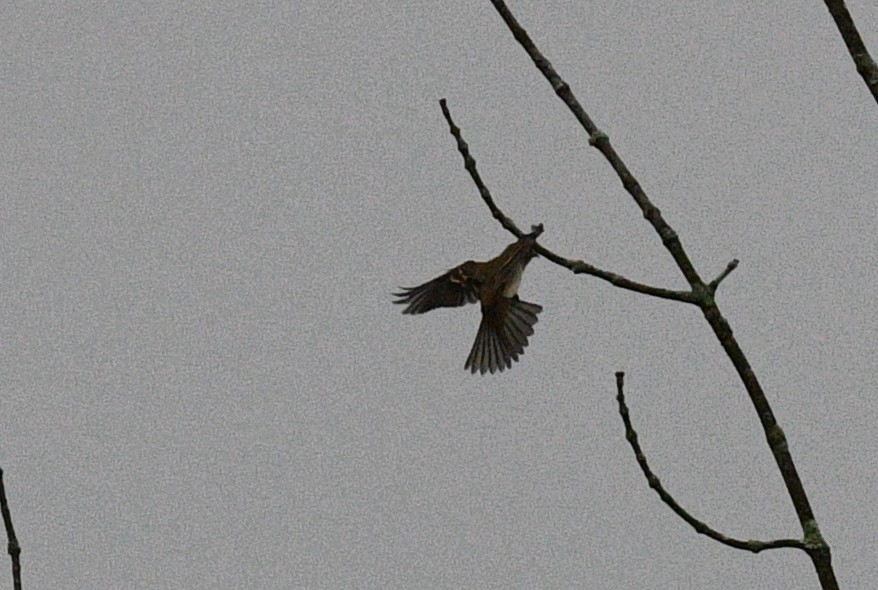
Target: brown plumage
[507,321]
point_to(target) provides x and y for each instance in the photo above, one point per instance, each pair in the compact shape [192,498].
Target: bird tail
[502,335]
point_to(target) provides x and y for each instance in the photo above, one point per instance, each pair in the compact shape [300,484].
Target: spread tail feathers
[502,335]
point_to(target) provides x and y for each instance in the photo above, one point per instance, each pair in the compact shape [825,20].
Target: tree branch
[814,545]
[470,164]
[13,547]
[577,266]
[654,483]
[865,64]
[601,141]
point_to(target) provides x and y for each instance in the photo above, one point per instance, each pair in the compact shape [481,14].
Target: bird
[507,321]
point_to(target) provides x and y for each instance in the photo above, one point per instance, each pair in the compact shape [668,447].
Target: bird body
[507,321]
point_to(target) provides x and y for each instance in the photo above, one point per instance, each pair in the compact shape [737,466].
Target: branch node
[598,137]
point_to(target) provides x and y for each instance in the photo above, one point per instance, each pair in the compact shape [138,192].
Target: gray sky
[205,210]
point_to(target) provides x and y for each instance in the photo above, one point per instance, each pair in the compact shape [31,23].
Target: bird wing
[455,288]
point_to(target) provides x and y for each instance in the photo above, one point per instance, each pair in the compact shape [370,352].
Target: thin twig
[470,164]
[712,285]
[580,267]
[577,266]
[654,483]
[13,547]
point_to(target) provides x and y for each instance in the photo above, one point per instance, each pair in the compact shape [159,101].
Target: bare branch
[654,483]
[577,266]
[13,547]
[816,547]
[470,164]
[865,64]
[601,141]
[580,267]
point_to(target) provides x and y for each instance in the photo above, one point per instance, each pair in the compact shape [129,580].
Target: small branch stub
[712,286]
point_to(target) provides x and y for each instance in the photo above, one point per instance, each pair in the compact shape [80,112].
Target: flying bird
[507,321]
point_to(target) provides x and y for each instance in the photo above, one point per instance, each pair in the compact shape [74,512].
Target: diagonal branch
[599,139]
[815,546]
[577,266]
[654,483]
[865,64]
[470,164]
[12,547]
[580,267]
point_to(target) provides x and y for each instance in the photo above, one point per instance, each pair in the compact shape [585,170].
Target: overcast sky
[207,207]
